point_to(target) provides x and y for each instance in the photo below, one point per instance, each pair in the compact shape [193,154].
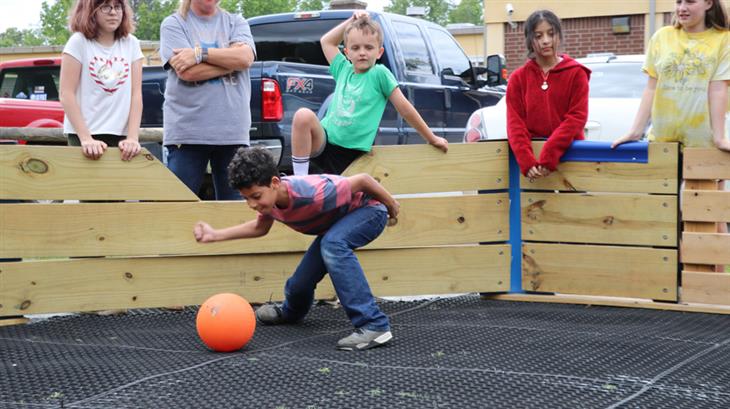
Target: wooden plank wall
[705,251]
[141,253]
[607,229]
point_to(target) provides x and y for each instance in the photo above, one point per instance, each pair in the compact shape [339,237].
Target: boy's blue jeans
[333,253]
[190,162]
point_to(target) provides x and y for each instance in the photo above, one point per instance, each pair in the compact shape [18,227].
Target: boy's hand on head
[360,14]
[441,143]
[203,232]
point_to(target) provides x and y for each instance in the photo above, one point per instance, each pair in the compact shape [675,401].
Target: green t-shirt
[358,103]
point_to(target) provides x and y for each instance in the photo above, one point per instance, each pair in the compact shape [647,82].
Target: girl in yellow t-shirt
[689,73]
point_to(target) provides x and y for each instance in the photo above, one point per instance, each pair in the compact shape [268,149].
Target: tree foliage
[436,10]
[467,11]
[13,37]
[149,15]
[54,21]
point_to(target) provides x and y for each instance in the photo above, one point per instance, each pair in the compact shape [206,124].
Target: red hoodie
[558,113]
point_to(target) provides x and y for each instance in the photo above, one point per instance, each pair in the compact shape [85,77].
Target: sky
[27,13]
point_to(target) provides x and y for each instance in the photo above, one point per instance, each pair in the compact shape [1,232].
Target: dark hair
[83,19]
[716,17]
[367,26]
[531,24]
[251,166]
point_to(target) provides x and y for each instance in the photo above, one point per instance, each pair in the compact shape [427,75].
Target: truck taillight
[271,107]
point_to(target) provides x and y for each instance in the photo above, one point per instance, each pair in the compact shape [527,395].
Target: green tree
[468,11]
[148,16]
[437,10]
[54,21]
[13,37]
[310,5]
[252,8]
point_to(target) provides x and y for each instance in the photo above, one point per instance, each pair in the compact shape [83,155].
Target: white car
[616,85]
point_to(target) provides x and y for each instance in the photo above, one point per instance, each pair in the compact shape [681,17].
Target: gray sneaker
[270,314]
[363,339]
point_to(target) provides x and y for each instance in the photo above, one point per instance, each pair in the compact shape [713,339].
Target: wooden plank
[423,168]
[97,284]
[56,134]
[139,229]
[706,163]
[706,288]
[705,248]
[634,219]
[611,302]
[700,227]
[600,270]
[705,206]
[657,176]
[5,322]
[63,173]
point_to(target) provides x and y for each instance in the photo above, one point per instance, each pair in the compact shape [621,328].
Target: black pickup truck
[291,72]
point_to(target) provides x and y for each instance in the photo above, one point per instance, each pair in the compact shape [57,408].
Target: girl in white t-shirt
[101,79]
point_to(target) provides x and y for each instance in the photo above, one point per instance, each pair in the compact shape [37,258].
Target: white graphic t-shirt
[104,92]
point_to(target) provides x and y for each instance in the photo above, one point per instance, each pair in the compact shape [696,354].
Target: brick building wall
[580,37]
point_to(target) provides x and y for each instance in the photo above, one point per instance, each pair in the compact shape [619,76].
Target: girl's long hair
[716,17]
[83,18]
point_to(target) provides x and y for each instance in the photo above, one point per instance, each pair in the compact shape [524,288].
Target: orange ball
[225,322]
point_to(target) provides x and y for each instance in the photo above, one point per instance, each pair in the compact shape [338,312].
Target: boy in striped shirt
[344,213]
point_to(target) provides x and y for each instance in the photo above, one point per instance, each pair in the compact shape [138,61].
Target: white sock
[300,164]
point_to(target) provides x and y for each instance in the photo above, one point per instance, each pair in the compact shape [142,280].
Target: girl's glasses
[107,9]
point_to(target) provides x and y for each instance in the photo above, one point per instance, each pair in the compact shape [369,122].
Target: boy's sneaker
[270,314]
[363,339]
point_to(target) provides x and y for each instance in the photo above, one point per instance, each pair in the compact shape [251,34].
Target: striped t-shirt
[316,202]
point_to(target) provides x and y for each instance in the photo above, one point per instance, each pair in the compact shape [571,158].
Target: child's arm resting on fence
[717,96]
[642,115]
[362,182]
[258,227]
[409,113]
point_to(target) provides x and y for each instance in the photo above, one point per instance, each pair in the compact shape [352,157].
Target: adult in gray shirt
[206,52]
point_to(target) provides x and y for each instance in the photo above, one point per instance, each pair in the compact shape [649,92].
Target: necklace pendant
[544,86]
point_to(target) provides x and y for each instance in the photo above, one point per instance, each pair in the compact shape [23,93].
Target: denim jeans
[190,162]
[333,253]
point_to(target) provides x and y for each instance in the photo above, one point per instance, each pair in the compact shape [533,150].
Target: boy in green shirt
[362,91]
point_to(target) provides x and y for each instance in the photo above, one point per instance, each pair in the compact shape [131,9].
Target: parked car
[616,86]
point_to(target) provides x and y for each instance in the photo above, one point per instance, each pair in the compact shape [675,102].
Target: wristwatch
[205,54]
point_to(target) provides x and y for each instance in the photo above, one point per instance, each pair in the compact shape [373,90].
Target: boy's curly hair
[251,166]
[367,26]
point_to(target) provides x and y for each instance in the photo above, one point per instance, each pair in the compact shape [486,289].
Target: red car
[29,93]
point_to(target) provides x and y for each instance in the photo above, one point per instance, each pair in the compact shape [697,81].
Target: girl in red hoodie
[546,98]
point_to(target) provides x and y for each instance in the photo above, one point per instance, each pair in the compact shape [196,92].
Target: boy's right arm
[331,40]
[258,227]
[411,115]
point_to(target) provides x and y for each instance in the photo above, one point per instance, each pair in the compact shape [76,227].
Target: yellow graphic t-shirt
[684,64]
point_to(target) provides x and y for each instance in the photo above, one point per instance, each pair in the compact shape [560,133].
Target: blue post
[515,225]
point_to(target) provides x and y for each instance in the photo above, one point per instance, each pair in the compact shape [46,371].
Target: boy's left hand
[393,209]
[203,232]
[441,144]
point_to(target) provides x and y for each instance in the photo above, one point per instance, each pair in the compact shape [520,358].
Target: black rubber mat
[460,352]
